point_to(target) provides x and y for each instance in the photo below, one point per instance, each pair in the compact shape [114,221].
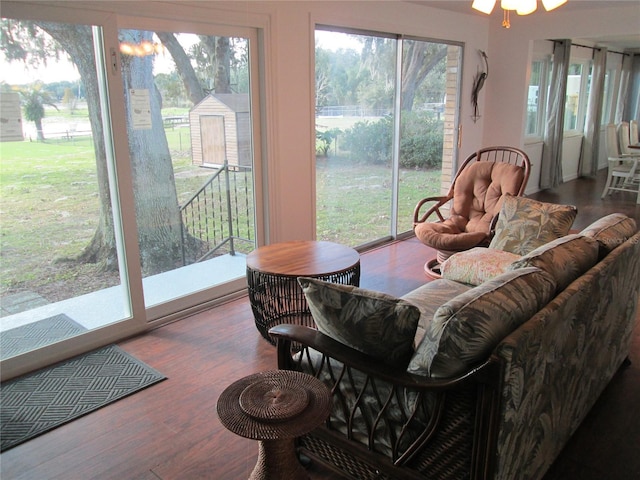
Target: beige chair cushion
[448,236]
[477,198]
[478,192]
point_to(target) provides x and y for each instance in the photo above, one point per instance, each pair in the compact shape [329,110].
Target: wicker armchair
[389,424]
[472,203]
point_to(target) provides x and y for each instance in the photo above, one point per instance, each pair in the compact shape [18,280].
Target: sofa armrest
[392,420]
[286,334]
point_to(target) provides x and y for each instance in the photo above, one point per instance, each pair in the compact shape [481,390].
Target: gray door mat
[43,400]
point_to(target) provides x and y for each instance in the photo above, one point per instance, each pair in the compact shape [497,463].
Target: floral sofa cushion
[525,224]
[611,231]
[429,297]
[467,328]
[372,322]
[565,258]
[477,265]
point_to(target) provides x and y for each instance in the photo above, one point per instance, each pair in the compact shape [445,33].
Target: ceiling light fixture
[521,7]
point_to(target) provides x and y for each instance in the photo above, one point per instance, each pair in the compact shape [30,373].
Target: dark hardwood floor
[171,430]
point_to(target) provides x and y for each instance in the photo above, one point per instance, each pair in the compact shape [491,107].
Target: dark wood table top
[303,258]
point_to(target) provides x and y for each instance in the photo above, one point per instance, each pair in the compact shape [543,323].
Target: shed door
[213,141]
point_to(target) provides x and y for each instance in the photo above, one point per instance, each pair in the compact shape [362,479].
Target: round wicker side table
[275,407]
[272,273]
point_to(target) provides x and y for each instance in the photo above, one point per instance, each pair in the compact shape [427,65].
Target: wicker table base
[274,407]
[276,460]
[272,273]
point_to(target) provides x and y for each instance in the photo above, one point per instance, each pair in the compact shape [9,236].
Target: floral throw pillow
[525,224]
[565,258]
[374,323]
[477,265]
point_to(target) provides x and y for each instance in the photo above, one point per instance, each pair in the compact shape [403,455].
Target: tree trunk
[183,65]
[222,65]
[156,204]
[421,62]
[156,201]
[39,130]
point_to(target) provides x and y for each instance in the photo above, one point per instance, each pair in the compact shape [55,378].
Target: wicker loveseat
[543,335]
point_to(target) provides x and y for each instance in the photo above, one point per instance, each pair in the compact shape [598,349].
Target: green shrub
[421,140]
[370,142]
[420,146]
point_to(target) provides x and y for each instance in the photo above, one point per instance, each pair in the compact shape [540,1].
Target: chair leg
[607,185]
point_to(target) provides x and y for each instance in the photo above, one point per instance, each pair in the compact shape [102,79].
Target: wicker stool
[274,407]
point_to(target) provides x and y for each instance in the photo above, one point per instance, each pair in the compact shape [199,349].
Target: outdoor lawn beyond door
[194,204]
[60,250]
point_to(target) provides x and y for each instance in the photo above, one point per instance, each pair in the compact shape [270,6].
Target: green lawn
[354,201]
[49,208]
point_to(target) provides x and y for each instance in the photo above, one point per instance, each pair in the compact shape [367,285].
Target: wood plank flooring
[171,430]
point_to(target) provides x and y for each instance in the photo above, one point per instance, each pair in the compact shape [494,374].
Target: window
[386,110]
[190,146]
[607,101]
[577,94]
[578,83]
[536,97]
[57,177]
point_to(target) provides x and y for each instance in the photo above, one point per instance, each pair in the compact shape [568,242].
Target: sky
[334,41]
[17,73]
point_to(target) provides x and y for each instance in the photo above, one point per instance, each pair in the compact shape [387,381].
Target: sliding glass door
[189,112]
[127,179]
[386,111]
[61,248]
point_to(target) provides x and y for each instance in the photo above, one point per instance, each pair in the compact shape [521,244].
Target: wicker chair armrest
[286,334]
[440,201]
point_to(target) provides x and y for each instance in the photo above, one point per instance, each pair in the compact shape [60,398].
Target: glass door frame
[131,324]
